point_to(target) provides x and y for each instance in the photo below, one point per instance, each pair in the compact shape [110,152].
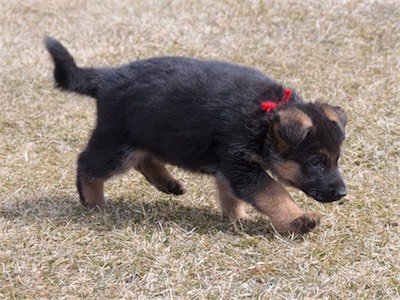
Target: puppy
[211,117]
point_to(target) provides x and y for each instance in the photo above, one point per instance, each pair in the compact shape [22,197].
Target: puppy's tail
[67,75]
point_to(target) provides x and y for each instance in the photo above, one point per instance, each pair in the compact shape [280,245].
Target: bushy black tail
[68,75]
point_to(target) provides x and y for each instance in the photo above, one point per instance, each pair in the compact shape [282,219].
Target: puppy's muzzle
[333,192]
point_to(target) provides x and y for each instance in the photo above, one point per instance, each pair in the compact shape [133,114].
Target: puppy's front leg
[230,205]
[274,201]
[252,184]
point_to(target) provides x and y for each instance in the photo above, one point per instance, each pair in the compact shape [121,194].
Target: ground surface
[148,245]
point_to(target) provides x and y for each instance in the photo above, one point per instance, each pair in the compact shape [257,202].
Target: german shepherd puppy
[212,117]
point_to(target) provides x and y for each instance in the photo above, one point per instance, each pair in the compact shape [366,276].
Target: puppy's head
[308,141]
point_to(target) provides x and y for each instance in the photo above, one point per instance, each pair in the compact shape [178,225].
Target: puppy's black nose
[341,191]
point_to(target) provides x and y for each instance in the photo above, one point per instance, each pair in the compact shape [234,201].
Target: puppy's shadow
[124,213]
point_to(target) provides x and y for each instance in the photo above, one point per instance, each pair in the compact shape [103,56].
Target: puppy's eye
[316,161]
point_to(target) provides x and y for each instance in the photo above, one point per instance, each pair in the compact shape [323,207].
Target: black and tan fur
[205,116]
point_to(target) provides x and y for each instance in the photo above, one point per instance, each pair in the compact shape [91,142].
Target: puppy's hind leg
[156,173]
[96,164]
[91,192]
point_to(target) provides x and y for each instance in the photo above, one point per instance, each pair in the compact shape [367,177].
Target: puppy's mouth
[324,196]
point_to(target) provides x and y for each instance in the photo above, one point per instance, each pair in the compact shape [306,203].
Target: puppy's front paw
[304,223]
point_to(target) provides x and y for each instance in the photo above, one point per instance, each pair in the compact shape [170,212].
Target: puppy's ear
[293,127]
[335,114]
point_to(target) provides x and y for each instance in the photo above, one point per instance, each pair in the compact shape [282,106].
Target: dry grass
[149,245]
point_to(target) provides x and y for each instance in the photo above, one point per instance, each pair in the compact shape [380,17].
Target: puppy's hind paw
[174,187]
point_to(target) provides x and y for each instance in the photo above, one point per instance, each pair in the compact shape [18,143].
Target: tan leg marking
[94,194]
[156,173]
[283,212]
[230,205]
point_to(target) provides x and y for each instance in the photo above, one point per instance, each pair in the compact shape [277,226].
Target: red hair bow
[269,105]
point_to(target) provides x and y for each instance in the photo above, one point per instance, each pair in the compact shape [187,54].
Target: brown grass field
[149,245]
